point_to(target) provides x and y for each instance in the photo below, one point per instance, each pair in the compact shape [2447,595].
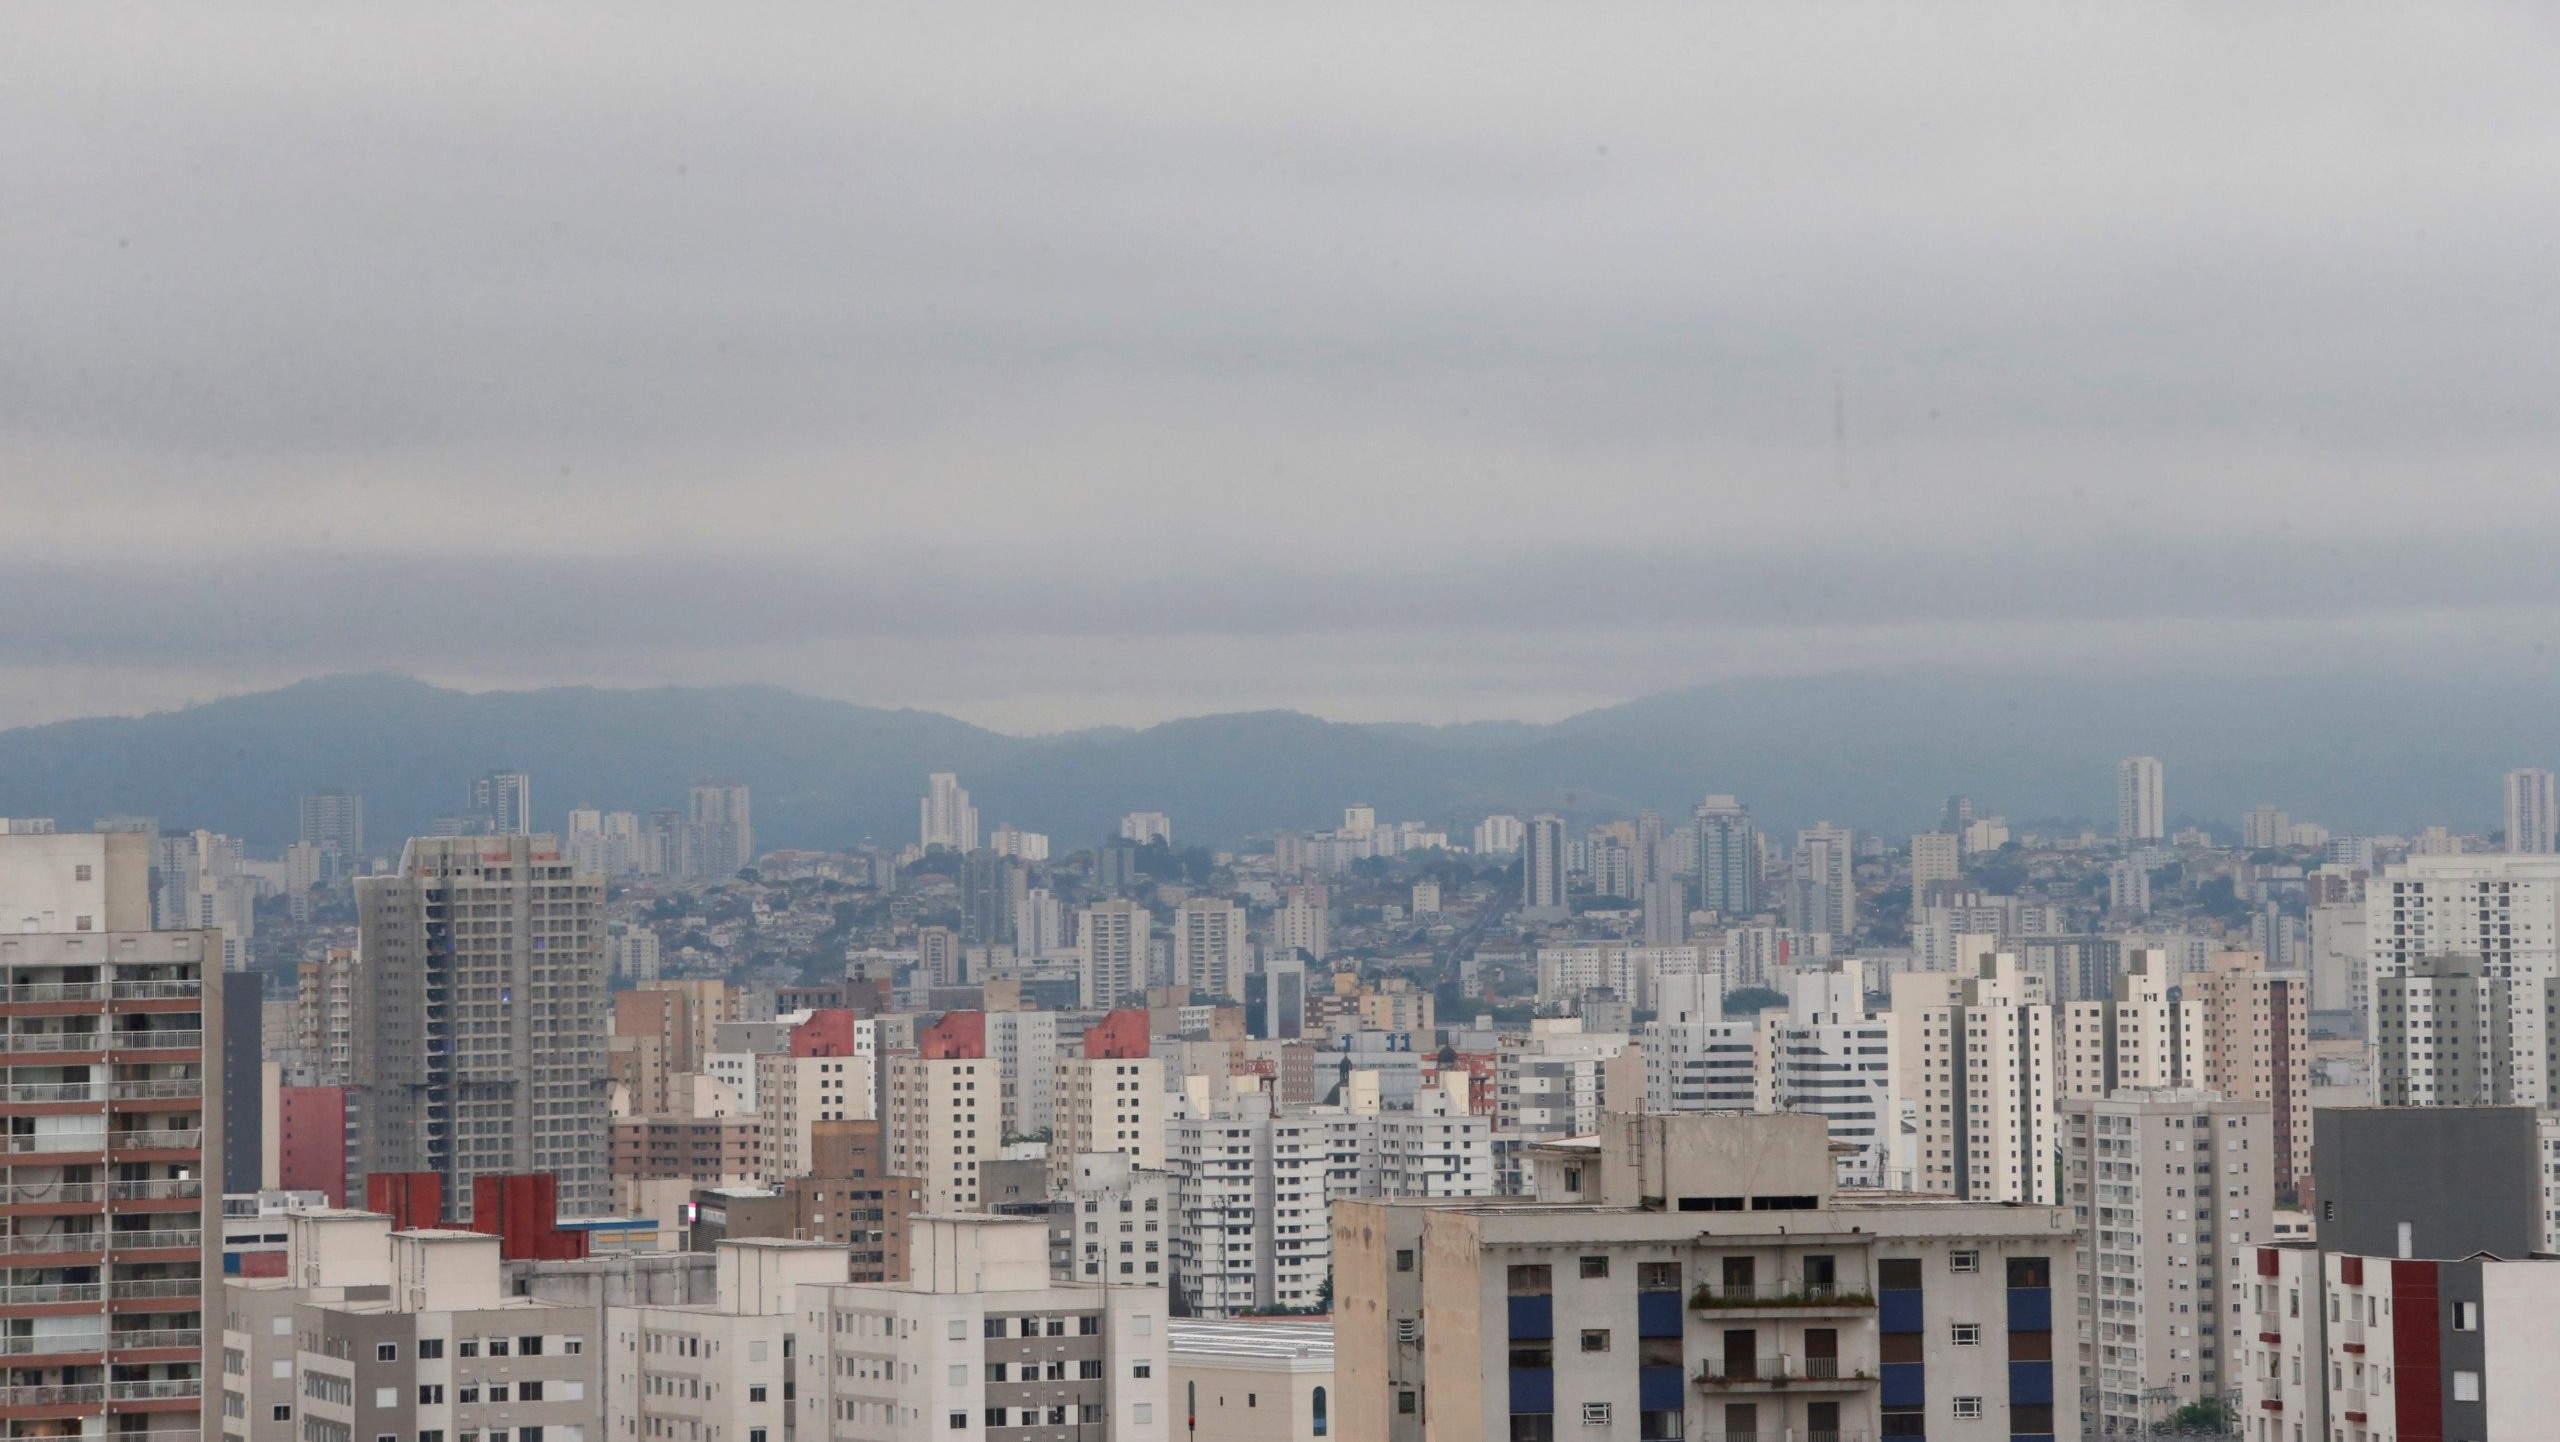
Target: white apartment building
[2142,803]
[1978,1056]
[1250,1228]
[2504,909]
[1024,1047]
[2172,1190]
[1112,939]
[938,1123]
[1634,974]
[982,1345]
[1694,1059]
[2138,1038]
[1108,1104]
[1118,1222]
[1826,1054]
[790,1092]
[374,1333]
[1210,951]
[1143,827]
[2533,811]
[1554,1079]
[1304,922]
[947,818]
[719,1369]
[1499,834]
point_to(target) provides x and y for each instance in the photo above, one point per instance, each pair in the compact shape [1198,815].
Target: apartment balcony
[1811,1374]
[144,1140]
[160,1089]
[50,1294]
[1789,1297]
[42,1093]
[65,1394]
[159,1041]
[166,1389]
[1771,1433]
[70,1144]
[165,1189]
[139,1288]
[50,1243]
[72,1344]
[24,1043]
[154,1338]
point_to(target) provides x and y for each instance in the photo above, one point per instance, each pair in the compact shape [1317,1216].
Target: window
[497,1346]
[959,1374]
[1090,1369]
[996,1371]
[497,1391]
[1141,1413]
[430,1348]
[1088,1326]
[430,1394]
[1595,1339]
[1968,1406]
[577,1345]
[386,1351]
[2466,1386]
[959,1421]
[1404,1259]
[959,1329]
[995,1416]
[1315,1413]
[1966,1260]
[1594,1268]
[528,1392]
[1968,1334]
[284,1412]
[432,1434]
[1595,1414]
[466,1395]
[755,1434]
[2466,1316]
[1090,1413]
[467,1347]
[1533,1427]
[528,1346]
[1658,1276]
[995,1326]
[755,1393]
[1142,1368]
[1530,1281]
[2030,1272]
[386,1397]
[1405,1403]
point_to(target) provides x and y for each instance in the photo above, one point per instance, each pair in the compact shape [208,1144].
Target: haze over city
[1053,367]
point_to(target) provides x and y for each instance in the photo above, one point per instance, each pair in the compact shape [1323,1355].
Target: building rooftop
[1303,1345]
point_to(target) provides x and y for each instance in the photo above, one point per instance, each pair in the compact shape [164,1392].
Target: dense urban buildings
[1185,1071]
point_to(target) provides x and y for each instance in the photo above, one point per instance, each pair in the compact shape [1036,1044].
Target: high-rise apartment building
[1304,922]
[2252,1038]
[1977,1052]
[720,838]
[1250,1230]
[1827,1055]
[1143,827]
[2443,1036]
[333,822]
[502,803]
[1498,834]
[480,1041]
[982,1343]
[1613,1308]
[1112,940]
[1024,1047]
[1728,858]
[1937,858]
[1110,1098]
[1210,952]
[725,1368]
[2172,1200]
[939,1112]
[2504,909]
[112,1217]
[1542,870]
[2533,811]
[1825,894]
[2139,1037]
[949,821]
[2142,809]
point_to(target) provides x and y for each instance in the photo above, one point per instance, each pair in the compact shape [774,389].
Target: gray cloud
[1019,356]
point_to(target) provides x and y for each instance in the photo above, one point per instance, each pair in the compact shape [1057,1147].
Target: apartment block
[1250,1228]
[1697,1277]
[373,1332]
[982,1343]
[2503,909]
[2252,1038]
[480,1045]
[114,1109]
[724,1369]
[939,1109]
[2172,1190]
[1978,1056]
[1111,1098]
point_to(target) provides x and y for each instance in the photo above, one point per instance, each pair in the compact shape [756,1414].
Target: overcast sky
[1063,364]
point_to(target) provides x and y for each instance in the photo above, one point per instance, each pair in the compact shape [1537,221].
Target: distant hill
[1875,751]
